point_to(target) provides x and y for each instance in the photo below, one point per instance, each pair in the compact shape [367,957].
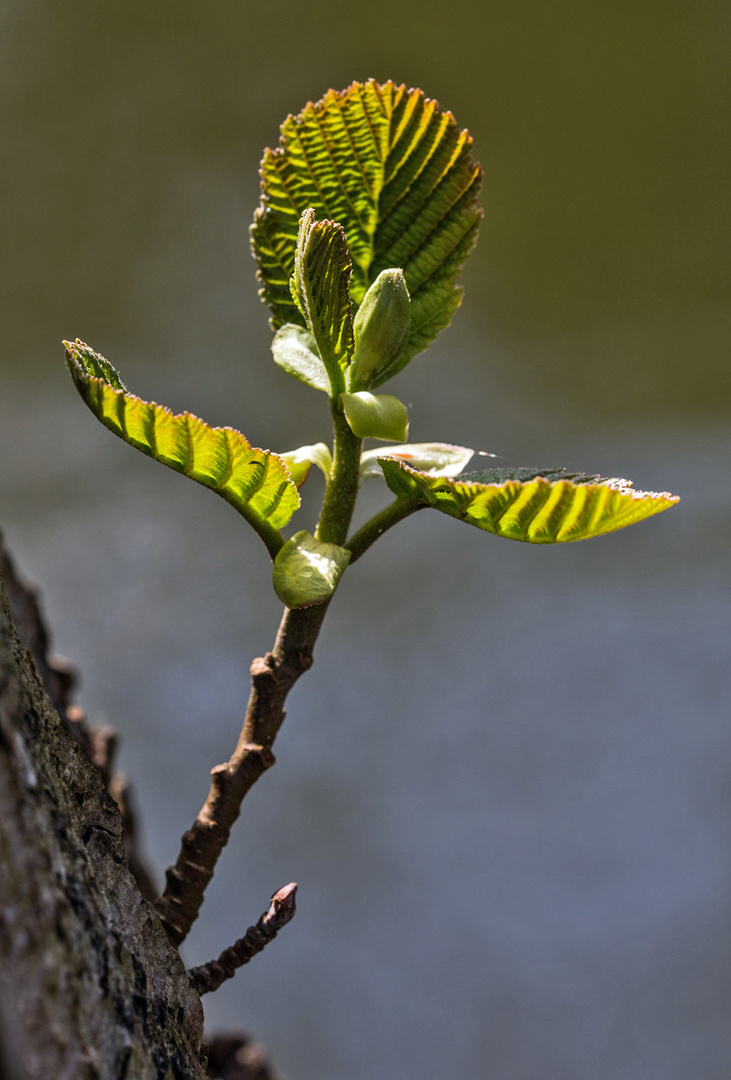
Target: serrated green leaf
[300,460]
[375,416]
[255,482]
[319,285]
[295,351]
[398,174]
[434,459]
[524,505]
[307,571]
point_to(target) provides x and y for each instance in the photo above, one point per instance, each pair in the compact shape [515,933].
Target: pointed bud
[381,328]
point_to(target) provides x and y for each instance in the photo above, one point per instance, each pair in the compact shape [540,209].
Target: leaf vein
[419,136]
[422,248]
[190,461]
[544,494]
[336,170]
[434,311]
[121,410]
[313,178]
[356,155]
[229,464]
[279,165]
[151,432]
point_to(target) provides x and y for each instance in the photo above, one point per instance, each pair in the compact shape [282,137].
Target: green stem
[380,522]
[342,487]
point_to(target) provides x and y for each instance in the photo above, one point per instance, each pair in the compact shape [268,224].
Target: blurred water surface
[505,787]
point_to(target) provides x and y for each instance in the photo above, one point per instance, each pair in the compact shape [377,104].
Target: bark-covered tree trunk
[90,986]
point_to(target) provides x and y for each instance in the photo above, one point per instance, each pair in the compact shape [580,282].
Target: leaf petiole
[385,519]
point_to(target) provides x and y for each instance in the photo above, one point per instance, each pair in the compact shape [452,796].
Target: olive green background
[604,258]
[505,787]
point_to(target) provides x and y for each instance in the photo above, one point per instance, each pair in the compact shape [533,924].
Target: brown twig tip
[209,976]
[283,907]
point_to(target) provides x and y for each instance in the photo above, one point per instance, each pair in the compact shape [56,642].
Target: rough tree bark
[90,987]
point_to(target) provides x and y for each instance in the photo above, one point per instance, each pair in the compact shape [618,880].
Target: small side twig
[209,976]
[272,677]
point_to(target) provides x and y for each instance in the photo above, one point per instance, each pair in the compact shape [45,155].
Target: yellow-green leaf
[398,174]
[523,505]
[299,461]
[255,482]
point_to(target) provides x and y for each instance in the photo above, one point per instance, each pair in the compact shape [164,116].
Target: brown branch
[59,678]
[235,1056]
[89,985]
[25,607]
[272,677]
[209,976]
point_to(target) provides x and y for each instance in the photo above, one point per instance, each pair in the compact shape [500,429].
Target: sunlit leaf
[397,173]
[375,416]
[319,286]
[254,481]
[541,507]
[295,351]
[300,460]
[306,571]
[434,459]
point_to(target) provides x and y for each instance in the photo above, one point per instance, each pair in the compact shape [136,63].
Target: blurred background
[505,786]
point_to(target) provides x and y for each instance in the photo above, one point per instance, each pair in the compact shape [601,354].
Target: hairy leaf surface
[255,482]
[546,507]
[319,286]
[398,174]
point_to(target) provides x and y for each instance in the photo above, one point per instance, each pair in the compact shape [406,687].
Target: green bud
[306,571]
[381,328]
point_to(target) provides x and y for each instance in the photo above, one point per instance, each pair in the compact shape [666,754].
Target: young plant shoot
[369,209]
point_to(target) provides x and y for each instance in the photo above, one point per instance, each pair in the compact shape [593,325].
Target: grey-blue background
[505,787]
